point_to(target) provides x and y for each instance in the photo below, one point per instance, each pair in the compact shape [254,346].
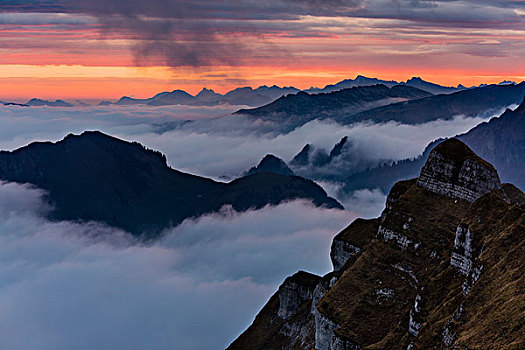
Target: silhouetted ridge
[469,102]
[272,164]
[94,176]
[320,105]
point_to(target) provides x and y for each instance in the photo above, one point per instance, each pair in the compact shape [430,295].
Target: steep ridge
[438,270]
[317,163]
[94,176]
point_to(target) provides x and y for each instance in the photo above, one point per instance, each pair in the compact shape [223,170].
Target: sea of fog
[65,285]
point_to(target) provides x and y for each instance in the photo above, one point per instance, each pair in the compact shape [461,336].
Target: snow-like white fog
[195,140]
[66,285]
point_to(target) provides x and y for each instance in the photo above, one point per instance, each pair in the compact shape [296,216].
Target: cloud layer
[226,146]
[66,285]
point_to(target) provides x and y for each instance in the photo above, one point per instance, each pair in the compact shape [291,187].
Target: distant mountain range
[360,80]
[254,97]
[13,104]
[379,103]
[36,102]
[97,177]
[264,94]
[240,96]
[302,107]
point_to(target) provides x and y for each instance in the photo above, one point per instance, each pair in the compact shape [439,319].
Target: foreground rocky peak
[453,169]
[438,270]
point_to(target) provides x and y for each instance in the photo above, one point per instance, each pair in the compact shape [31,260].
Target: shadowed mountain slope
[94,176]
[303,107]
[501,141]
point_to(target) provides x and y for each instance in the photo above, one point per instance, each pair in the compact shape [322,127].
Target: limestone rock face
[452,169]
[294,292]
[462,255]
[340,253]
[351,241]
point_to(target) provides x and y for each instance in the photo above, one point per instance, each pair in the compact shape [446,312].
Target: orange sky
[42,57]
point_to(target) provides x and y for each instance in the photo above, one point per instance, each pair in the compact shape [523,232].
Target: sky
[104,49]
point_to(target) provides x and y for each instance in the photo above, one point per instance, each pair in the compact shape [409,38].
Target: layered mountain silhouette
[97,177]
[360,80]
[469,102]
[500,140]
[298,109]
[378,103]
[261,95]
[267,94]
[206,97]
[440,269]
[36,102]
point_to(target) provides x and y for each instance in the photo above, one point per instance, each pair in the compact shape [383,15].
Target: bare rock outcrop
[454,170]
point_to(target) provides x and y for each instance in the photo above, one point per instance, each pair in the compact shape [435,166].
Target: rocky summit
[442,268]
[454,170]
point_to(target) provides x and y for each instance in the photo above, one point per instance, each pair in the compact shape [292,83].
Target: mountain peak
[37,102]
[453,169]
[272,164]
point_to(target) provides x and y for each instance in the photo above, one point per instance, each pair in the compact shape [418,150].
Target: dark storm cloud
[206,33]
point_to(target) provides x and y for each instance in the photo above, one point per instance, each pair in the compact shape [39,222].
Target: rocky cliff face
[454,170]
[442,268]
